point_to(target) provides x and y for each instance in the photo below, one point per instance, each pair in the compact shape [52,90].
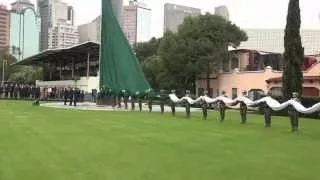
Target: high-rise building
[174,15]
[24,32]
[90,31]
[222,11]
[4,28]
[272,40]
[20,5]
[55,15]
[63,35]
[117,6]
[136,22]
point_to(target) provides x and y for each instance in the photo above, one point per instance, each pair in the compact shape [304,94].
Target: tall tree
[294,53]
[198,48]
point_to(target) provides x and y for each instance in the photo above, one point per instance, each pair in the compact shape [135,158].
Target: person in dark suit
[204,106]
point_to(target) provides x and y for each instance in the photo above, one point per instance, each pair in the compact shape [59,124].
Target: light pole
[3,62]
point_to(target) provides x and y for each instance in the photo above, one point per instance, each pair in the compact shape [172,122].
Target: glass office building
[24,33]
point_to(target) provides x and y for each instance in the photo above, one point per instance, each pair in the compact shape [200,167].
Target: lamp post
[3,62]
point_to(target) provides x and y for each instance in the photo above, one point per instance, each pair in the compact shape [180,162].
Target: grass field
[50,144]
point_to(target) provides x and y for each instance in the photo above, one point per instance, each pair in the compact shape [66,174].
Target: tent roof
[63,54]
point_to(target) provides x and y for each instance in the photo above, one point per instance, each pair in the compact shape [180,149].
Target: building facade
[57,17]
[258,71]
[4,28]
[272,40]
[63,35]
[136,23]
[24,32]
[222,11]
[174,15]
[90,31]
[20,5]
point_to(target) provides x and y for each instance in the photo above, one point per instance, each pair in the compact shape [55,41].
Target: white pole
[88,65]
[2,83]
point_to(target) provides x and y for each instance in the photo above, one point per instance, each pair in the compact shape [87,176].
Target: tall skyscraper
[57,24]
[4,28]
[222,11]
[20,5]
[24,30]
[174,15]
[136,22]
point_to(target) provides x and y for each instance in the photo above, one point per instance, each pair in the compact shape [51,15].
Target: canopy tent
[119,67]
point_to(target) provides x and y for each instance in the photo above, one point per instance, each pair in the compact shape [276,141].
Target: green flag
[119,67]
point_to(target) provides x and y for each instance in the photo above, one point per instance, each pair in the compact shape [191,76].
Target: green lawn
[49,144]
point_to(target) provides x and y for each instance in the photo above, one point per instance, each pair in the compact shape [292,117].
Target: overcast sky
[245,13]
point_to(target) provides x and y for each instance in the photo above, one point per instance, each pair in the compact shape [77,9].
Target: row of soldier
[73,96]
[163,96]
[19,91]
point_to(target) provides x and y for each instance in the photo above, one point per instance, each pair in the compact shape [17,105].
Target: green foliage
[147,49]
[52,144]
[294,52]
[25,74]
[199,46]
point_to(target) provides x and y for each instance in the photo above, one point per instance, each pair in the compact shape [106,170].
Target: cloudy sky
[245,13]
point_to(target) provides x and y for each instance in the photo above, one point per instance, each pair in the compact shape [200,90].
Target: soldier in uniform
[294,114]
[139,98]
[222,107]
[71,96]
[15,91]
[243,109]
[188,106]
[125,98]
[65,95]
[173,104]
[162,100]
[133,101]
[204,106]
[267,112]
[150,99]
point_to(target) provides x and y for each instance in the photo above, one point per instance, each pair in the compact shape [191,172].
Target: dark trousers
[125,103]
[140,105]
[173,109]
[222,113]
[162,107]
[65,100]
[133,107]
[188,110]
[243,113]
[119,101]
[267,117]
[70,101]
[150,106]
[204,113]
[294,119]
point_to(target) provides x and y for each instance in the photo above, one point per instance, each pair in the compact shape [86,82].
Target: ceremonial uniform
[243,110]
[187,104]
[162,100]
[294,114]
[173,104]
[222,108]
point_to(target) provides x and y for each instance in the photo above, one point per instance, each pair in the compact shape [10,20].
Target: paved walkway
[93,107]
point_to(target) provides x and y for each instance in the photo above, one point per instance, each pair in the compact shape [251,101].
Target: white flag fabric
[272,103]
